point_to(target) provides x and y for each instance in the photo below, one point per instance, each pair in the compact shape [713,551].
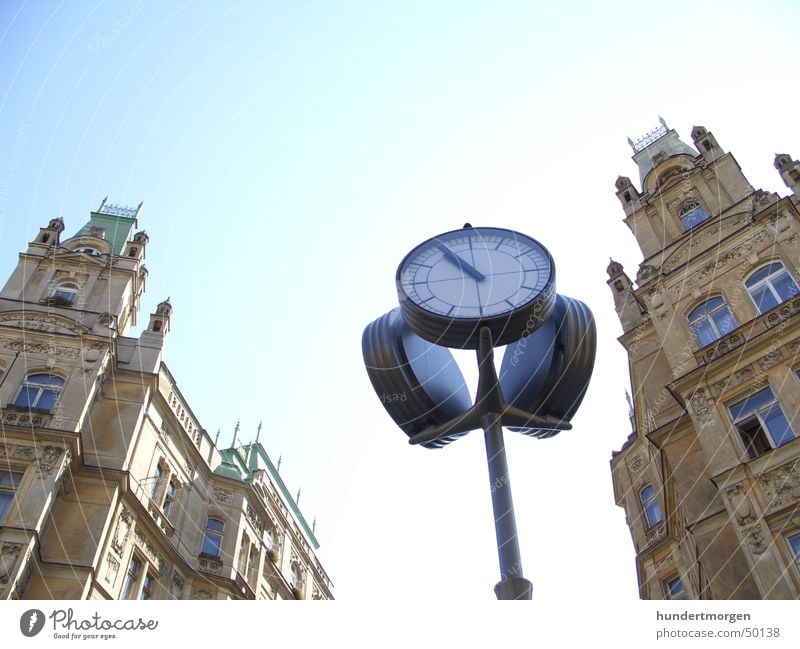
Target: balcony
[748,331]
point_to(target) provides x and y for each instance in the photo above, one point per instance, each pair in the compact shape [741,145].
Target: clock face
[453,284]
[475,273]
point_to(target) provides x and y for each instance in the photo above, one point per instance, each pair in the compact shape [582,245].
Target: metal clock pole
[489,399]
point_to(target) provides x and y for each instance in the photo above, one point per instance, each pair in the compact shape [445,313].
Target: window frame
[130,585]
[757,415]
[41,388]
[9,490]
[208,532]
[766,281]
[170,494]
[689,208]
[65,292]
[647,503]
[707,319]
[793,541]
[673,593]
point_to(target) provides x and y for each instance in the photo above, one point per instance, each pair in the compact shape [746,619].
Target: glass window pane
[703,333]
[211,544]
[11,480]
[45,379]
[762,273]
[794,543]
[47,399]
[754,401]
[785,286]
[214,524]
[779,429]
[26,397]
[764,298]
[5,502]
[724,320]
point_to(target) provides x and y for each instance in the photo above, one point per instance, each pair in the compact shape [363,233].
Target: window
[88,251]
[64,294]
[692,214]
[156,482]
[252,566]
[212,537]
[131,577]
[771,285]
[169,498]
[297,577]
[147,587]
[761,422]
[794,545]
[8,487]
[39,391]
[673,588]
[652,510]
[711,320]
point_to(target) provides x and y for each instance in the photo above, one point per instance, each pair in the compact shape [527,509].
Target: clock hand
[470,270]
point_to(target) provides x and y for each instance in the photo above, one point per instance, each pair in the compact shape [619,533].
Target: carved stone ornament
[254,520]
[740,504]
[25,452]
[149,549]
[122,531]
[28,346]
[725,345]
[781,486]
[771,359]
[48,324]
[636,463]
[176,586]
[222,495]
[210,566]
[105,319]
[316,593]
[713,268]
[48,459]
[8,559]
[12,418]
[656,534]
[199,593]
[112,569]
[699,242]
[786,311]
[735,379]
[755,539]
[645,272]
[701,404]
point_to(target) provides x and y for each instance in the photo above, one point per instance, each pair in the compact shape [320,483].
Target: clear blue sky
[289,155]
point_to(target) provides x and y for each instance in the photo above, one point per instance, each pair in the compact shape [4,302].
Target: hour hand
[470,270]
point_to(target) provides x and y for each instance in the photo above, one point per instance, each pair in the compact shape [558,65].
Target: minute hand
[470,270]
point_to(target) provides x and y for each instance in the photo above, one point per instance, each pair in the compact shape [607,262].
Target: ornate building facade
[710,475]
[109,486]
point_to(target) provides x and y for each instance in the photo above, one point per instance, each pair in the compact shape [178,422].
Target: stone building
[110,488]
[710,475]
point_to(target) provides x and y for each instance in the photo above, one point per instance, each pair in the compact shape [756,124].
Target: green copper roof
[119,229]
[241,463]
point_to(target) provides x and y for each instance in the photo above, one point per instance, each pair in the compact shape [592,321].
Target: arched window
[652,510]
[711,320]
[39,391]
[212,537]
[65,293]
[771,285]
[692,214]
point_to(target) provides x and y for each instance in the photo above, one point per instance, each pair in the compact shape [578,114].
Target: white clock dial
[454,284]
[475,273]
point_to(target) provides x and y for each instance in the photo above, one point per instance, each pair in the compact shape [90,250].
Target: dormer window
[88,251]
[692,214]
[64,294]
